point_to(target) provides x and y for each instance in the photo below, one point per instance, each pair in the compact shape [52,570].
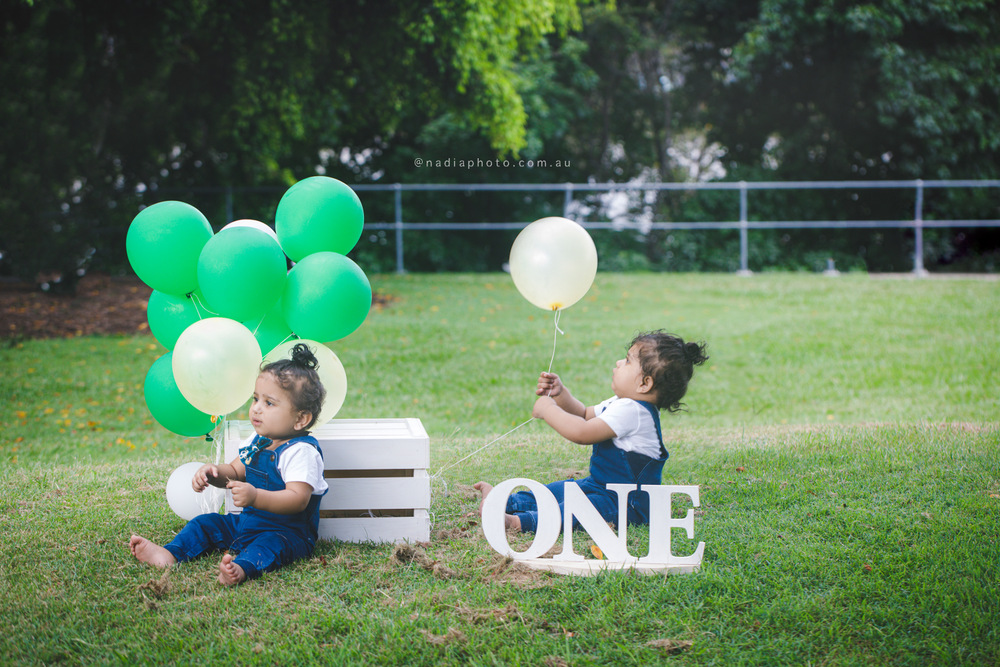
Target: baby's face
[627,377]
[272,411]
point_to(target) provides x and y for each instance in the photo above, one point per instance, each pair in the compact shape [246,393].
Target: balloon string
[260,323]
[467,456]
[197,302]
[555,337]
[220,436]
[498,439]
[291,336]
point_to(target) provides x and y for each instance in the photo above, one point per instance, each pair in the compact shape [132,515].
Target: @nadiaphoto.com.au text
[488,163]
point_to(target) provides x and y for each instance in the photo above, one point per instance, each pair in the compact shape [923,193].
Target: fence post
[398,202]
[918,231]
[567,198]
[744,241]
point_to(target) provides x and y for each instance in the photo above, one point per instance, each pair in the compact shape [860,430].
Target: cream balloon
[553,262]
[216,362]
[331,374]
[253,224]
[184,500]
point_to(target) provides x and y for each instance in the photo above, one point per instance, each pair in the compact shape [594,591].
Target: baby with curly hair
[624,431]
[277,479]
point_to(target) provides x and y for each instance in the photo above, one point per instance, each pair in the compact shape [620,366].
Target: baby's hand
[538,411]
[202,476]
[549,384]
[244,494]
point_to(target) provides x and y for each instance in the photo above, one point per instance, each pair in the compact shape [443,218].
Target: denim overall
[261,541]
[608,465]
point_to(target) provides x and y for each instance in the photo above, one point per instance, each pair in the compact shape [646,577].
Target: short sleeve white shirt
[634,428]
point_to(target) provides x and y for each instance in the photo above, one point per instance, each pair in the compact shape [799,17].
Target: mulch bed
[101,305]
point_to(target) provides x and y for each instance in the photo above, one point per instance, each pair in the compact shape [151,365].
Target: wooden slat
[363,514]
[381,530]
[357,444]
[379,493]
[352,474]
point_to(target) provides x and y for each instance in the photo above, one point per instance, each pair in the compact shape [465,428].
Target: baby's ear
[646,386]
[305,416]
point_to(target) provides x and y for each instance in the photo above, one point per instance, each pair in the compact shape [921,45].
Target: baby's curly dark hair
[299,378]
[670,362]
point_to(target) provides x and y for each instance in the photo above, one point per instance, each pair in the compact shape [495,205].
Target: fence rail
[744,224]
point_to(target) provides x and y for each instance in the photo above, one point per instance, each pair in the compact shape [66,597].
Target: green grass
[844,436]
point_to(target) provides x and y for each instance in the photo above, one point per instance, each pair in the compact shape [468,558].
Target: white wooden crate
[377,471]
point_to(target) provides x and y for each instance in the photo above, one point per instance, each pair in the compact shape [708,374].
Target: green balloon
[318,214]
[163,244]
[327,296]
[271,330]
[169,315]
[168,406]
[241,273]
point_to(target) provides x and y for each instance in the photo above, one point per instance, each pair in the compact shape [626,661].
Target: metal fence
[743,224]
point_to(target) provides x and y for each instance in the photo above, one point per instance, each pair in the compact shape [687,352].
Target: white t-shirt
[634,428]
[300,462]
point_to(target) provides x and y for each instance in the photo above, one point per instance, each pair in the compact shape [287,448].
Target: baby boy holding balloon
[624,430]
[277,479]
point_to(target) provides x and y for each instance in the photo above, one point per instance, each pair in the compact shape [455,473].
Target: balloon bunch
[223,303]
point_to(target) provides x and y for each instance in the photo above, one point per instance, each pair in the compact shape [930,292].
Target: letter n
[577,504]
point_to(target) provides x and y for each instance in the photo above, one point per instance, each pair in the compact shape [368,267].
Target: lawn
[844,435]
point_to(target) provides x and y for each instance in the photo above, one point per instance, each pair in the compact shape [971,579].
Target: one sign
[614,547]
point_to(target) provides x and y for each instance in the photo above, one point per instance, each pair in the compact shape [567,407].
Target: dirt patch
[453,636]
[670,646]
[405,554]
[500,615]
[100,305]
[506,570]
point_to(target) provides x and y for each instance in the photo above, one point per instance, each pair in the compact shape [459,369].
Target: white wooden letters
[614,547]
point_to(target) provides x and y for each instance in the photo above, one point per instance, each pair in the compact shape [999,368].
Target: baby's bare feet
[510,521]
[230,573]
[148,552]
[484,489]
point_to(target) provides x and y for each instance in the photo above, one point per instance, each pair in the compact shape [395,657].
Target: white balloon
[255,224]
[216,363]
[331,374]
[184,500]
[553,262]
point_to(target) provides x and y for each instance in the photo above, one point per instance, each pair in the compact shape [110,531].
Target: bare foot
[147,552]
[230,573]
[510,521]
[484,489]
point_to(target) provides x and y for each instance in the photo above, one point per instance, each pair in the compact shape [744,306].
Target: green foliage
[131,103]
[898,89]
[136,97]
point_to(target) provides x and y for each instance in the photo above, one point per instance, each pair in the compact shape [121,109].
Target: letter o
[549,518]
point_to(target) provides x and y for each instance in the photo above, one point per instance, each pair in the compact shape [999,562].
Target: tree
[851,89]
[128,97]
[837,89]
